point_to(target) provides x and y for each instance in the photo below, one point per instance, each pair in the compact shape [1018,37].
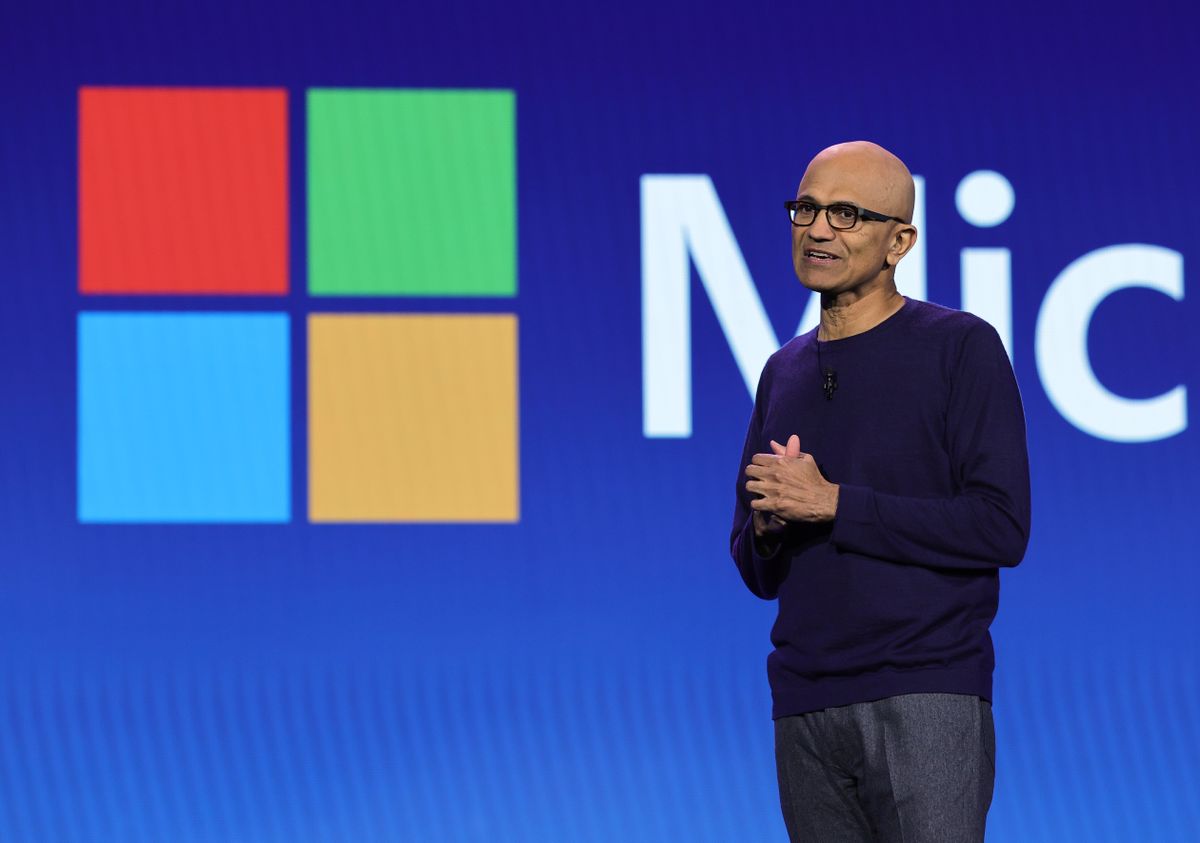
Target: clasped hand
[789,487]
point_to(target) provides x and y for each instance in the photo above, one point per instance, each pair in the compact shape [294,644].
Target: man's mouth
[817,256]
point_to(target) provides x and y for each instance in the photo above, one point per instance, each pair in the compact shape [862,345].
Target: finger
[779,450]
[793,446]
[756,471]
[764,459]
[756,487]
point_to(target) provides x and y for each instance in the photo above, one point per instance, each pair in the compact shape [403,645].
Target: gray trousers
[915,768]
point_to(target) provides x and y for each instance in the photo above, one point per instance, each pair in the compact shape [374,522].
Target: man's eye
[844,213]
[805,209]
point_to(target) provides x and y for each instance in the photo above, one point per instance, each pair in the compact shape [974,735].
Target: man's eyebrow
[804,197]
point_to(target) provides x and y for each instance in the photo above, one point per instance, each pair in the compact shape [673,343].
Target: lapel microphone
[830,385]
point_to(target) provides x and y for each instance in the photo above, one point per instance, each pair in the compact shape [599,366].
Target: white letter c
[1061,344]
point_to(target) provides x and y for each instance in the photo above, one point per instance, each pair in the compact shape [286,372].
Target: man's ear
[903,240]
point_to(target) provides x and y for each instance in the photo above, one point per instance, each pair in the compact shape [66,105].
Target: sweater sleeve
[759,566]
[985,524]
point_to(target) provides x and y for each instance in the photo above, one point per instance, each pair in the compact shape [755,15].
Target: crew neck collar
[872,332]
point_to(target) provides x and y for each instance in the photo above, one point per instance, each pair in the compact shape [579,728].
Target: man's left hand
[790,485]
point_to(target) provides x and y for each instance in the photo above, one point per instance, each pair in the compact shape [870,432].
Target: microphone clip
[830,385]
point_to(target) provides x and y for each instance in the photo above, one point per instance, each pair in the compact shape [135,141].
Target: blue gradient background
[595,672]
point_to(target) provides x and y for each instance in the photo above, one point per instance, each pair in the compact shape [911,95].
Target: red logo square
[183,191]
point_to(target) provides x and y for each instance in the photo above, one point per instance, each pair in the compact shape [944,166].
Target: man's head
[861,258]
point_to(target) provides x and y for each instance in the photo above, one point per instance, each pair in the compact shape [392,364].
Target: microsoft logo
[185,413]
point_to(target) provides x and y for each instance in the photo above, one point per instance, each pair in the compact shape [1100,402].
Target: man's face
[833,261]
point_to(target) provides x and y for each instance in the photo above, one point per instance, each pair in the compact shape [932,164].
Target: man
[885,482]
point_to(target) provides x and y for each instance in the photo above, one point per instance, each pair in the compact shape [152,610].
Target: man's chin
[817,284]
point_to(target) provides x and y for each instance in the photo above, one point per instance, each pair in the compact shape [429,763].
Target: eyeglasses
[841,215]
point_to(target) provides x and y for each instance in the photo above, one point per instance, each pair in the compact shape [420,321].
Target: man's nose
[820,229]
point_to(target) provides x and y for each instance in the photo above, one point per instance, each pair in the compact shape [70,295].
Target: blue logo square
[184,417]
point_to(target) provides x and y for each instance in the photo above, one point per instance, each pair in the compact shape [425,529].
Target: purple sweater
[926,436]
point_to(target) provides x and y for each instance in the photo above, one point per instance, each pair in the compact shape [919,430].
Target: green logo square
[411,192]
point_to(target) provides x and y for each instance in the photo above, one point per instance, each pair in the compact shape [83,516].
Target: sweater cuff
[772,548]
[855,511]
[756,547]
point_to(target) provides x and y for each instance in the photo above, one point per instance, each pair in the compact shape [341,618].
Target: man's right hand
[768,525]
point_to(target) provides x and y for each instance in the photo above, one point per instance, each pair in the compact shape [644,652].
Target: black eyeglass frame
[793,205]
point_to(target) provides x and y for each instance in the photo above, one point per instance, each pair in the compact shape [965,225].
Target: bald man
[883,484]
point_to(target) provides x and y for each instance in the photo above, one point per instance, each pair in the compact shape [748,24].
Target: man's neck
[844,316]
